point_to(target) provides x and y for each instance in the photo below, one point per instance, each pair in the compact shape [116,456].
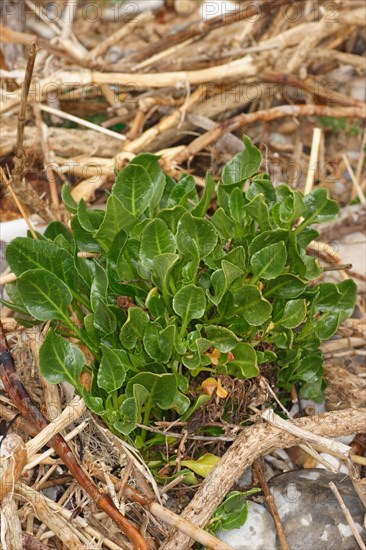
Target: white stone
[257,533]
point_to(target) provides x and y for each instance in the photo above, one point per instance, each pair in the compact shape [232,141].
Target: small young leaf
[203,465]
[68,200]
[200,210]
[245,362]
[243,166]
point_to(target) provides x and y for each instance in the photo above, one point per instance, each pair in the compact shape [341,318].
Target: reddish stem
[19,395]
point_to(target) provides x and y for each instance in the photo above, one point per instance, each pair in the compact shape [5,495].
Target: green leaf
[56,229]
[99,286]
[327,325]
[203,465]
[261,186]
[151,164]
[195,234]
[134,188]
[163,266]
[200,210]
[156,239]
[158,343]
[171,216]
[44,295]
[266,238]
[116,218]
[236,205]
[249,303]
[269,262]
[224,225]
[134,328]
[222,280]
[319,208]
[258,210]
[189,303]
[60,360]
[285,286]
[222,338]
[162,388]
[130,410]
[104,319]
[84,239]
[68,200]
[183,191]
[245,362]
[335,298]
[89,220]
[243,166]
[112,368]
[24,254]
[293,314]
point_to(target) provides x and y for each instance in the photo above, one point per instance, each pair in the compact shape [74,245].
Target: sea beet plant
[156,294]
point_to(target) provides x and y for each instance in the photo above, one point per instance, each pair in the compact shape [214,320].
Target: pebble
[257,533]
[310,513]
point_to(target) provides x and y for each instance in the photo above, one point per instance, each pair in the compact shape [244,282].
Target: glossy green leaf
[156,239]
[245,362]
[258,210]
[134,188]
[183,191]
[60,360]
[293,315]
[243,166]
[134,328]
[112,368]
[200,210]
[319,207]
[195,234]
[162,388]
[163,265]
[269,262]
[249,303]
[189,303]
[99,286]
[23,254]
[44,295]
[116,218]
[285,286]
[223,224]
[68,200]
[262,186]
[158,343]
[171,217]
[334,298]
[222,338]
[151,164]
